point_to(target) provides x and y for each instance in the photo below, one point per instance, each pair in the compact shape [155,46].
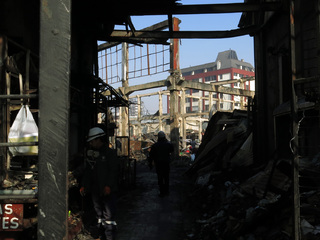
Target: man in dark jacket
[100,179]
[160,154]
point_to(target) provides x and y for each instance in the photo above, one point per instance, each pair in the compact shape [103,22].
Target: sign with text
[11,217]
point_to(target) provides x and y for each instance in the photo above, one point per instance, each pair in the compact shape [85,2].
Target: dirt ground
[143,215]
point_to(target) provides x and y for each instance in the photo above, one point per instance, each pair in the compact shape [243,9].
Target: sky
[198,51]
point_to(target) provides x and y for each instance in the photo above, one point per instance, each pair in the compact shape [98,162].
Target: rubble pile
[238,198]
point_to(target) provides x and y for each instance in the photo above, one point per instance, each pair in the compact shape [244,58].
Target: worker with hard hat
[100,179]
[160,154]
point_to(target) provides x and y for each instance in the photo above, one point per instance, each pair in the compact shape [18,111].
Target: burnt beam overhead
[209,8]
[122,35]
[156,27]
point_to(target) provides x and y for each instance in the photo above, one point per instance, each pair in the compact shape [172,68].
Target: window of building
[206,107]
[188,109]
[211,78]
[195,109]
[236,84]
[186,74]
[220,76]
[187,92]
[188,100]
[198,71]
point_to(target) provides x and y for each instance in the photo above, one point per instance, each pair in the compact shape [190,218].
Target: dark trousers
[163,179]
[105,208]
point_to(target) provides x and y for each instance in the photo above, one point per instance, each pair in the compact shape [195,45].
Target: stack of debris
[139,150]
[239,199]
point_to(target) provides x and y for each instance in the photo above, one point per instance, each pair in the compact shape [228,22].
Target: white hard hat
[95,133]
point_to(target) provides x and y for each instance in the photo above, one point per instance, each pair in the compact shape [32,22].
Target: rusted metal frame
[295,128]
[54,103]
[122,34]
[210,8]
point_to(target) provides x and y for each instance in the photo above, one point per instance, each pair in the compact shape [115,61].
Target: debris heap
[238,198]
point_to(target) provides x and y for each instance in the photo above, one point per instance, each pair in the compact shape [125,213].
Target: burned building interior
[256,171]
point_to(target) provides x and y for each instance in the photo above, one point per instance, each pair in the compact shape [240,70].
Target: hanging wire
[296,133]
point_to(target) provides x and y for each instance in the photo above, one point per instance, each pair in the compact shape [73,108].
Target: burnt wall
[274,76]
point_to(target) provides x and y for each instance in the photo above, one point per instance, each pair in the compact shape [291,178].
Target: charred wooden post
[160,111]
[174,90]
[125,84]
[183,127]
[55,53]
[139,117]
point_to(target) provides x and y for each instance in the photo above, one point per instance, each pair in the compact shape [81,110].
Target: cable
[297,132]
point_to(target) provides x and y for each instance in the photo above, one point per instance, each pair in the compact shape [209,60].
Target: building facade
[226,67]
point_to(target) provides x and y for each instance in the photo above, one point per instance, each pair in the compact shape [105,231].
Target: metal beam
[145,86]
[210,8]
[241,80]
[54,103]
[150,94]
[18,144]
[18,96]
[122,34]
[218,89]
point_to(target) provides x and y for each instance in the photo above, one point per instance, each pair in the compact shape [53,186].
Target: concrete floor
[143,215]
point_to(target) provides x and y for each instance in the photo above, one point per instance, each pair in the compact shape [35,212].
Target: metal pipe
[18,96]
[18,144]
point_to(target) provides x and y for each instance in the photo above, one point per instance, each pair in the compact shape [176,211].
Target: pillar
[124,113]
[54,104]
[160,111]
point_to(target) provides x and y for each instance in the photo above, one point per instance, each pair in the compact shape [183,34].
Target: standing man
[100,179]
[160,154]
